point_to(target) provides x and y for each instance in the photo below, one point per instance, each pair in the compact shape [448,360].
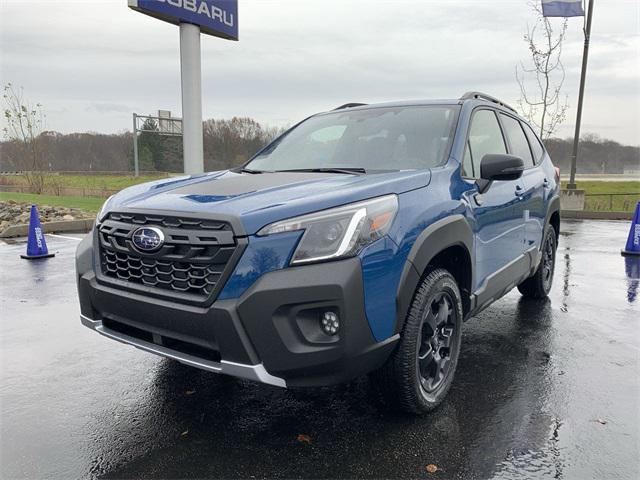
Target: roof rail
[349,105]
[489,98]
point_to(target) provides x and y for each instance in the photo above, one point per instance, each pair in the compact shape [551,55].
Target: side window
[536,146]
[485,137]
[517,140]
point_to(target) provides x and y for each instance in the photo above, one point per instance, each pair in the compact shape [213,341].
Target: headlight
[103,210]
[338,232]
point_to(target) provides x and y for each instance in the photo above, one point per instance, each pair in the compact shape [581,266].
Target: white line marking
[62,236]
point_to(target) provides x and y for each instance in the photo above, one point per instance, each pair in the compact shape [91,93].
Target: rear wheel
[539,284]
[419,373]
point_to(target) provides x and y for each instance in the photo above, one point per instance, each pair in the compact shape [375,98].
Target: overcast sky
[92,63]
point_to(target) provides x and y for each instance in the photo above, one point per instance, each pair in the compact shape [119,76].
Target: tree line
[227,143]
[595,155]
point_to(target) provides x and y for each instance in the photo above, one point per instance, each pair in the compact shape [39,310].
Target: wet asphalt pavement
[543,390]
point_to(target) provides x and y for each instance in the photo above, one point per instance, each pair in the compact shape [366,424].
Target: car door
[497,213]
[532,180]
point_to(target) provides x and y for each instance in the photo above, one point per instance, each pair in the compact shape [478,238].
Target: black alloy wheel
[436,341]
[539,284]
[420,371]
[548,261]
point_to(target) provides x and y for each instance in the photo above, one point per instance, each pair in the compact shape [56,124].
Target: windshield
[385,138]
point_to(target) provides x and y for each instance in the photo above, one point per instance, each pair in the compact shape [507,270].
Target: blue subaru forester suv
[355,243]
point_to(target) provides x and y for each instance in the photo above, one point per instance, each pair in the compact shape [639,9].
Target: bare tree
[543,105]
[24,126]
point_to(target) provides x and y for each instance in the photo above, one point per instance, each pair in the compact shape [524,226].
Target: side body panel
[498,228]
[534,205]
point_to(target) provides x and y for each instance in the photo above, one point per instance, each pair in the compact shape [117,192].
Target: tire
[419,373]
[539,284]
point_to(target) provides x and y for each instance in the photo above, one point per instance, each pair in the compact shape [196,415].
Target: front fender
[451,231]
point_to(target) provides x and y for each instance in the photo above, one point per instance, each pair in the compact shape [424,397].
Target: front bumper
[250,372]
[270,334]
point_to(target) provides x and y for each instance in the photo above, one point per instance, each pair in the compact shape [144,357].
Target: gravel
[17,213]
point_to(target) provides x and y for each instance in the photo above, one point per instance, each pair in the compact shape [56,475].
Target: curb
[83,225]
[584,215]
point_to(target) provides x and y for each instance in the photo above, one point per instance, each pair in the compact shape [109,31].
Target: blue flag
[562,8]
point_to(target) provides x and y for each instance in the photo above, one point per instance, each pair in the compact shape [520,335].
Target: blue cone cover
[36,244]
[633,242]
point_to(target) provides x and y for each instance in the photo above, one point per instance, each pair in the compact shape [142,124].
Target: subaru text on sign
[214,17]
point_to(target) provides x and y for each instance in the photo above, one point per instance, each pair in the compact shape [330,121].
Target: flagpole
[576,137]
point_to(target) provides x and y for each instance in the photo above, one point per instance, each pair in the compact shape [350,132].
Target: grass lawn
[88,204]
[607,187]
[616,203]
[106,182]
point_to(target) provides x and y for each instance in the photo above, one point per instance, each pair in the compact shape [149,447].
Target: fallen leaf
[431,468]
[601,421]
[189,392]
[184,433]
[302,438]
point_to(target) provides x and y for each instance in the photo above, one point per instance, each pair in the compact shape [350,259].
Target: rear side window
[536,146]
[485,137]
[517,139]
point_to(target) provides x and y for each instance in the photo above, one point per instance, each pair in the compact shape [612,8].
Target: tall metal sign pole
[576,137]
[191,77]
[212,17]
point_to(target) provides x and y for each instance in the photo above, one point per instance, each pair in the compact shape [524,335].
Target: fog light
[330,323]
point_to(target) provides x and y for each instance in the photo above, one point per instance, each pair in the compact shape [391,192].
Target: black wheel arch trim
[554,207]
[453,230]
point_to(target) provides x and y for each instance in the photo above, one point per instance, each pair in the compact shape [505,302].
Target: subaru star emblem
[148,239]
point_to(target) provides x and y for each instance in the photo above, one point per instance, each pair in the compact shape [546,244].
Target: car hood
[259,199]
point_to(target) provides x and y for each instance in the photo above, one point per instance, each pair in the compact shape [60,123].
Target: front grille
[189,265]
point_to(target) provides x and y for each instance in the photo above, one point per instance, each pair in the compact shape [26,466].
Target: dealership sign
[193,17]
[214,17]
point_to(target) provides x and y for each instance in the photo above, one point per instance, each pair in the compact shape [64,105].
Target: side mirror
[498,167]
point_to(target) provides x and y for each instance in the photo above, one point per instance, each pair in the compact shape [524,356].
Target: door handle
[545,183]
[519,191]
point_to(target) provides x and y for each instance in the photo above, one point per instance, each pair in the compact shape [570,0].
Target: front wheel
[419,373]
[539,284]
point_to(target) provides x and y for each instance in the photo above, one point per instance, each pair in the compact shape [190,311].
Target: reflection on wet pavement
[544,389]
[632,270]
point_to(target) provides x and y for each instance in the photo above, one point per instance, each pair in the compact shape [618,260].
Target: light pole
[576,137]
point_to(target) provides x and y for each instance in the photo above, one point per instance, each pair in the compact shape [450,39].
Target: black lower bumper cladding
[271,334]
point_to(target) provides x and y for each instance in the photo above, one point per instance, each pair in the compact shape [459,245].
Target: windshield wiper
[348,170]
[251,170]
